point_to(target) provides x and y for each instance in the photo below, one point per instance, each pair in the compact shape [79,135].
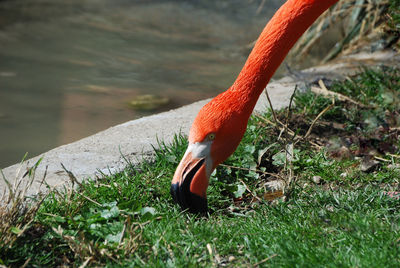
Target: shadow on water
[69,69]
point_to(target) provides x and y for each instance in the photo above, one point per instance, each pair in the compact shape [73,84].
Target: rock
[148,102]
[275,185]
[316,179]
[368,164]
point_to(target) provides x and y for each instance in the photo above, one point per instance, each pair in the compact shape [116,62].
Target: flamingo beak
[190,182]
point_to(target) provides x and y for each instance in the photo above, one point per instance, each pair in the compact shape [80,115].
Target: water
[68,69]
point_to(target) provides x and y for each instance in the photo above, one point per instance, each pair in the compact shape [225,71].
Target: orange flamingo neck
[274,43]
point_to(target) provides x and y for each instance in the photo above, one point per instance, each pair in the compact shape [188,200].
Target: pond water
[68,69]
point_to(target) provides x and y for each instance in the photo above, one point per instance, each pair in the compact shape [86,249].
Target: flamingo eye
[211,136]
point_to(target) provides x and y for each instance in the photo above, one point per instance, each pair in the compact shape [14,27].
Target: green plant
[332,214]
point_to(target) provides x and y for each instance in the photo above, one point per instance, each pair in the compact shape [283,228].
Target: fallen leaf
[271,196]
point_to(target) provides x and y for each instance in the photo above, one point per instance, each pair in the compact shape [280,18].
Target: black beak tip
[188,200]
[175,192]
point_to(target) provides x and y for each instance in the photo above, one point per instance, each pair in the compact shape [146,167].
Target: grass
[329,211]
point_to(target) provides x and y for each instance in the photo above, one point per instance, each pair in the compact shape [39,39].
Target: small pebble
[368,165]
[316,179]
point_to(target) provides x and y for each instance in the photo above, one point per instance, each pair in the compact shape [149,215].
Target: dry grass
[91,252]
[16,214]
[359,21]
[288,139]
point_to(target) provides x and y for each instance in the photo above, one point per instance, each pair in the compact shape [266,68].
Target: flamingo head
[214,136]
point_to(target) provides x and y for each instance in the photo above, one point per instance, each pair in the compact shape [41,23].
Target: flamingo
[220,124]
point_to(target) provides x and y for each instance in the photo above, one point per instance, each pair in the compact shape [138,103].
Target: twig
[123,232]
[248,189]
[71,176]
[393,155]
[318,116]
[382,159]
[49,214]
[315,145]
[289,113]
[249,169]
[44,177]
[322,90]
[272,108]
[291,132]
[26,262]
[289,159]
[85,263]
[266,259]
[289,146]
[91,200]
